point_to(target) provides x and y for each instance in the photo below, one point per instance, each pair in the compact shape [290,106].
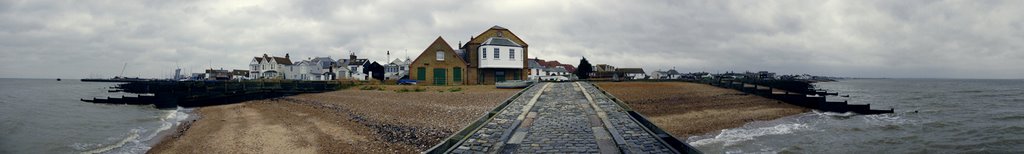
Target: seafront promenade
[564,118]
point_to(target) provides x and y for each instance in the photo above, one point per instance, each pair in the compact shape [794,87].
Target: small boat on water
[511,84]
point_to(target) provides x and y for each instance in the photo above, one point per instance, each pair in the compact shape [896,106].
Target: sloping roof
[569,67]
[534,64]
[439,44]
[282,60]
[500,41]
[497,27]
[673,72]
[629,70]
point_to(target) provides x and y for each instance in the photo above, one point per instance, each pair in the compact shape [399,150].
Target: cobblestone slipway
[562,118]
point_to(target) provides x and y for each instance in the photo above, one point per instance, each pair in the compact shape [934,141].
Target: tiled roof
[282,60]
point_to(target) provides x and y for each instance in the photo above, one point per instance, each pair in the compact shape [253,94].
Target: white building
[267,67]
[500,52]
[397,69]
[670,74]
[319,68]
[355,67]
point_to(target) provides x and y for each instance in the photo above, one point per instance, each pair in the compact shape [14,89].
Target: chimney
[286,56]
[352,56]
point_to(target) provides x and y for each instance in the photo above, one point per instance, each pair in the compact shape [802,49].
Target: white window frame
[497,53]
[440,55]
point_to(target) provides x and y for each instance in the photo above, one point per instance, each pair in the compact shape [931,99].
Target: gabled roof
[569,67]
[494,32]
[282,60]
[442,45]
[534,64]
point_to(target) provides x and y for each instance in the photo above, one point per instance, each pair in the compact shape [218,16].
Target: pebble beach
[400,119]
[380,120]
[687,109]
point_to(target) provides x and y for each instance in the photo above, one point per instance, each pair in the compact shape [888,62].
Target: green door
[421,74]
[456,74]
[439,76]
[499,76]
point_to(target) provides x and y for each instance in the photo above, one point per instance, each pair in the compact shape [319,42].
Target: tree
[584,69]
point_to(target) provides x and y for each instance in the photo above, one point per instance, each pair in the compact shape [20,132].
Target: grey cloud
[955,39]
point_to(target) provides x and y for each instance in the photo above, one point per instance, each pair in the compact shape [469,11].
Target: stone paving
[562,119]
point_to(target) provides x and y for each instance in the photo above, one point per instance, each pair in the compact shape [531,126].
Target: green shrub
[455,89]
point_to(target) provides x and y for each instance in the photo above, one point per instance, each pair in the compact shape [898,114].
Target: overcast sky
[904,38]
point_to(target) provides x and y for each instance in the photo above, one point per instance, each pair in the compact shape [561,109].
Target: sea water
[932,116]
[46,116]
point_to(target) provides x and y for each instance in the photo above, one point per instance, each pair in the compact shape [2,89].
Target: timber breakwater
[798,93]
[171,94]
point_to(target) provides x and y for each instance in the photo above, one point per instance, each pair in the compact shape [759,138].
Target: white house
[397,68]
[670,74]
[355,67]
[500,52]
[319,68]
[267,67]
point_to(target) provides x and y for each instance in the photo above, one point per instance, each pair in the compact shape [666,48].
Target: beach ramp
[567,117]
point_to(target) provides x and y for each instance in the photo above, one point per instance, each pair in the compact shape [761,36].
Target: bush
[455,89]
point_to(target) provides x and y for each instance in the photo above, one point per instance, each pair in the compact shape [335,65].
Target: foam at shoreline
[140,140]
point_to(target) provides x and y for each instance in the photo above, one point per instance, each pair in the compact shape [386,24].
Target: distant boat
[58,79]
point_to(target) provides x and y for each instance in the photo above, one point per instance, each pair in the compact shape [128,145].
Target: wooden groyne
[795,92]
[171,94]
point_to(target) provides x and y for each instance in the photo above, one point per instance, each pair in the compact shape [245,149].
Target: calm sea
[46,116]
[953,116]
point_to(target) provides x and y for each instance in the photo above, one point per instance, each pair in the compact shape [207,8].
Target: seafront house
[539,68]
[602,71]
[355,67]
[267,67]
[630,73]
[439,64]
[397,69]
[238,74]
[319,68]
[495,55]
[670,74]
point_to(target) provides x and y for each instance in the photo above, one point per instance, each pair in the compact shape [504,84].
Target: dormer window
[485,53]
[511,53]
[440,55]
